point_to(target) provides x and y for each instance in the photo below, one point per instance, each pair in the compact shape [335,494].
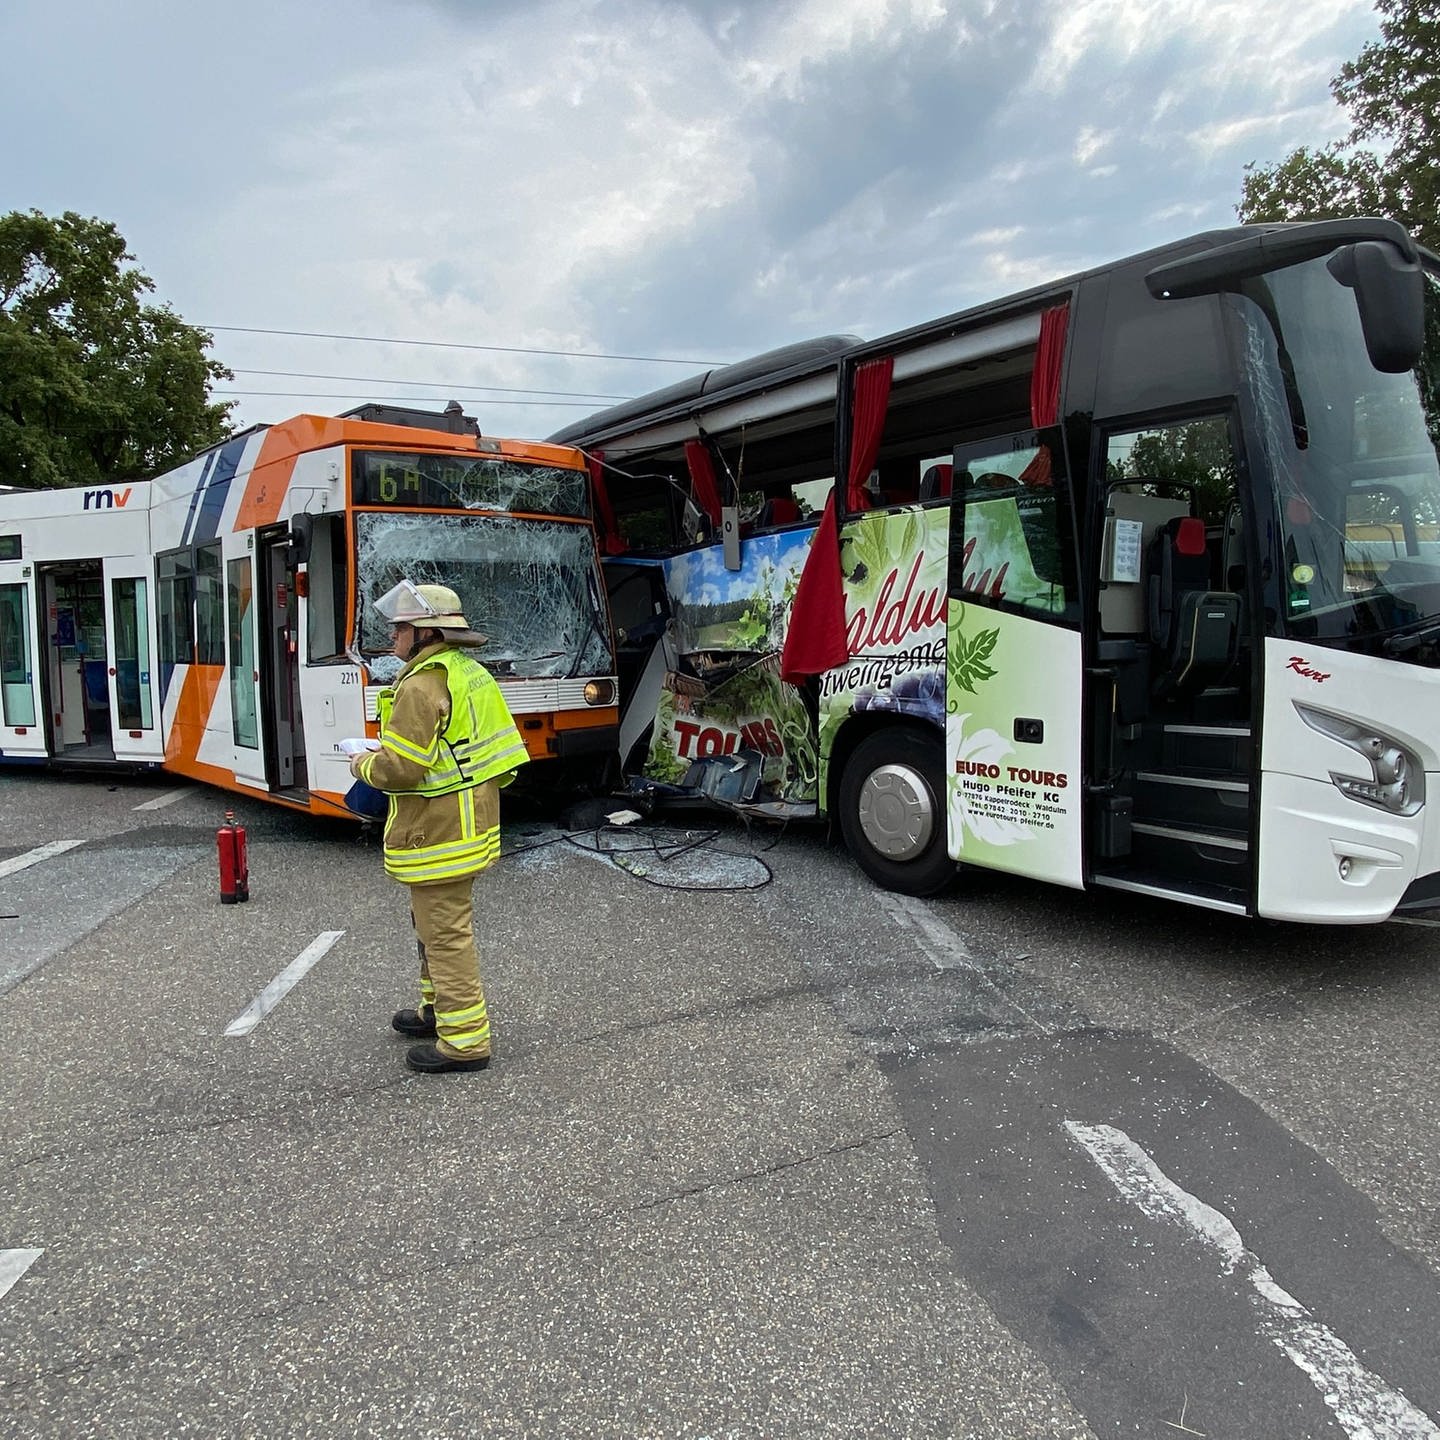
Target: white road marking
[35,856]
[161,801]
[282,984]
[942,946]
[1366,1407]
[13,1264]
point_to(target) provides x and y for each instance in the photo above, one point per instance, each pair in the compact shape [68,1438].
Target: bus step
[1189,852]
[1195,798]
[1223,749]
[1212,896]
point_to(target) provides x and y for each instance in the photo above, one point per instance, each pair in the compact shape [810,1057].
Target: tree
[95,385]
[1389,163]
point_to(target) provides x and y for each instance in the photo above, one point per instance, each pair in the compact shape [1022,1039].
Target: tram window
[327,584]
[242,654]
[15,671]
[209,607]
[132,654]
[176,589]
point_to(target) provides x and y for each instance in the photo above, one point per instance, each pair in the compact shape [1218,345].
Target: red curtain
[815,637]
[1045,381]
[872,395]
[702,479]
[612,542]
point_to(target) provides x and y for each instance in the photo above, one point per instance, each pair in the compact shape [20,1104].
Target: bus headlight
[599,692]
[1397,779]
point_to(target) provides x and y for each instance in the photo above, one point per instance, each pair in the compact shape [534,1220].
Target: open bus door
[22,731]
[129,650]
[1014,662]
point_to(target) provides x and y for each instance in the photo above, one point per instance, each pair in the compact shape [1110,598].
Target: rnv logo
[107,499]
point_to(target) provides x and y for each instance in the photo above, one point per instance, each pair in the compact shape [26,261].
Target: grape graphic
[920,693]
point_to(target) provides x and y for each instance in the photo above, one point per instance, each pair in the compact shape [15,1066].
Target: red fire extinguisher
[234,861]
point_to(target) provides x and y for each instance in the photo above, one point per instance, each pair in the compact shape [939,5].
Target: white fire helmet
[428,606]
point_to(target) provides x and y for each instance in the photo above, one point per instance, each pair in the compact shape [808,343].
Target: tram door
[279,612]
[22,708]
[75,661]
[129,678]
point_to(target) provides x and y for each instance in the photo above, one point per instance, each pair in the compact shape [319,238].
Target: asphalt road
[764,1151]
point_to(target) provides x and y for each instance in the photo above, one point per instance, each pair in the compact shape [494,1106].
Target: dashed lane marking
[282,984]
[161,801]
[13,1264]
[35,856]
[1364,1405]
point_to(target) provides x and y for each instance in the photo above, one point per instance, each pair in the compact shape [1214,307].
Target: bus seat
[935,483]
[1194,629]
[778,510]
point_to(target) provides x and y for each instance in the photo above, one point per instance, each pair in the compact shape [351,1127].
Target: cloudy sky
[696,180]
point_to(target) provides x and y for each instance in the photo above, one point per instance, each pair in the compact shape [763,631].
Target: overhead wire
[460,345]
[432,384]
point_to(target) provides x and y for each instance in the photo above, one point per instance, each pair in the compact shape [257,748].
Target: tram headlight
[1397,778]
[599,692]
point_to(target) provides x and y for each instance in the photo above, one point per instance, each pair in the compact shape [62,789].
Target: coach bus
[1131,580]
[216,621]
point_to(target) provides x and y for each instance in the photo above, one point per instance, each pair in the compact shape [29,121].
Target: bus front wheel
[892,811]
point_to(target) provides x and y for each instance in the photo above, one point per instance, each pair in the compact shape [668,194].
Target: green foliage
[95,385]
[1391,91]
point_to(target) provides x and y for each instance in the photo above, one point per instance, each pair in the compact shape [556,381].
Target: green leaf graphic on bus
[968,657]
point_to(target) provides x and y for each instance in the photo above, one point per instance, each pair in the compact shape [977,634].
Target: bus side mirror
[1390,297]
[302,527]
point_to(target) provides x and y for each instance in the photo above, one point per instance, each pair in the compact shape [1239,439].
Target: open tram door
[74,660]
[1014,662]
[277,610]
[129,680]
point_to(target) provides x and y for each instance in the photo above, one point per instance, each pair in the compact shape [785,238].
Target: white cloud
[673,177]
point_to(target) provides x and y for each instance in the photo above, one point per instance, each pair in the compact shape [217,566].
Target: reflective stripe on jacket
[446,739]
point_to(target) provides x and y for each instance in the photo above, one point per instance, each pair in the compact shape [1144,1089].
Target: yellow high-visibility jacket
[447,744]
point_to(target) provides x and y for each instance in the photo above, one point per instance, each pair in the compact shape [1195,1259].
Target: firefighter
[447,745]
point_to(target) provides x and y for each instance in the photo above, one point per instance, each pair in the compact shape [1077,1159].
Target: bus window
[15,670]
[1015,541]
[1194,456]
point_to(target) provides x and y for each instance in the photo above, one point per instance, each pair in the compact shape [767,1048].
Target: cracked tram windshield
[530,586]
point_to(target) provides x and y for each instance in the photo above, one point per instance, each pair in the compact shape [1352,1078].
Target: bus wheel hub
[897,813]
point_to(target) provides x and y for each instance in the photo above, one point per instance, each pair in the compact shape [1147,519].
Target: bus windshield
[531,587]
[1351,455]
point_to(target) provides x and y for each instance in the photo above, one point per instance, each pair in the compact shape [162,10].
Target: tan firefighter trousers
[449,966]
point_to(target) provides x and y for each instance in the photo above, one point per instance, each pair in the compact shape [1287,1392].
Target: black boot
[418,1023]
[429,1060]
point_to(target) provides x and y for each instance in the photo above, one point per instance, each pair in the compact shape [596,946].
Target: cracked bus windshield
[1352,453]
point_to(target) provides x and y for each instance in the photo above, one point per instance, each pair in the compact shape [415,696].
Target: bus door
[1172,753]
[73,660]
[22,729]
[278,610]
[129,659]
[1014,669]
